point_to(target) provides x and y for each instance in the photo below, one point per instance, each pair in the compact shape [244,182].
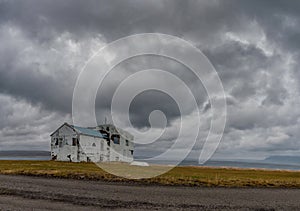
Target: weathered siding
[61,144]
[68,144]
[93,149]
[122,151]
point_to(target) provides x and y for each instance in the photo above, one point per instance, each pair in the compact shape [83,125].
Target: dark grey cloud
[254,46]
[145,102]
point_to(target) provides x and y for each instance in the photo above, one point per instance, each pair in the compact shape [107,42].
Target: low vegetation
[187,176]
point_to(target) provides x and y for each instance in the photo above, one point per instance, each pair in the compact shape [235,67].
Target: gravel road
[36,193]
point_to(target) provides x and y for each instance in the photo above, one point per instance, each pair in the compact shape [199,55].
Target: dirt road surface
[37,193]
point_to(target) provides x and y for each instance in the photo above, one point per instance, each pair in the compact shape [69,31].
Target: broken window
[56,141]
[115,139]
[127,143]
[74,141]
[131,151]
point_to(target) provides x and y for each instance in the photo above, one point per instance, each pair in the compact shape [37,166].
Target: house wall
[89,148]
[93,149]
[61,144]
[122,151]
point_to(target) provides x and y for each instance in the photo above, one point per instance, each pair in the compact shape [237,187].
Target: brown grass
[187,176]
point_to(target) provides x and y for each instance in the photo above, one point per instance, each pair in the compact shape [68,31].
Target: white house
[97,144]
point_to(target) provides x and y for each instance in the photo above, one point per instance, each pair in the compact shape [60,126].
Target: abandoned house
[96,144]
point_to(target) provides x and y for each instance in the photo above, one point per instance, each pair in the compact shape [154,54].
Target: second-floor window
[115,139]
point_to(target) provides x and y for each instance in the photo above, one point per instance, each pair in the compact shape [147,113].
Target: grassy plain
[186,176]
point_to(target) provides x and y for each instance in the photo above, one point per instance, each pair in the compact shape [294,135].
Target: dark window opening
[115,139]
[127,143]
[56,141]
[74,141]
[131,151]
[93,144]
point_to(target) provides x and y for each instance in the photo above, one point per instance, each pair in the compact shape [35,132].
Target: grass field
[187,176]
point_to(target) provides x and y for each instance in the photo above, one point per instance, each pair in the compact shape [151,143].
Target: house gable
[63,125]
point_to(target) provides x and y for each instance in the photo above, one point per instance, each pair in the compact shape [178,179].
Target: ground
[183,176]
[38,193]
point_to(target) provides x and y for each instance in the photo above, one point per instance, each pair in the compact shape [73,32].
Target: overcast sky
[253,44]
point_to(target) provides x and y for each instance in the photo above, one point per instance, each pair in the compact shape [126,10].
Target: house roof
[87,131]
[82,130]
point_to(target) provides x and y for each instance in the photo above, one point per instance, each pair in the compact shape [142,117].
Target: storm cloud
[253,45]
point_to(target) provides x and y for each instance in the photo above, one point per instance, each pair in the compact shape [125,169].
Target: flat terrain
[38,193]
[179,176]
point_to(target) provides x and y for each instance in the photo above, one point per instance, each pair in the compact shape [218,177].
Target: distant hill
[283,159]
[23,153]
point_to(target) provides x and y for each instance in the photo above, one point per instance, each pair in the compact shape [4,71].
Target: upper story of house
[116,136]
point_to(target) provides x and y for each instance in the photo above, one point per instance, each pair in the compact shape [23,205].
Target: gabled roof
[61,127]
[82,130]
[87,131]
